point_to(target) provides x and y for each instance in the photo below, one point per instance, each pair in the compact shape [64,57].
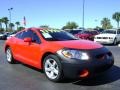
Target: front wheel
[9,56]
[53,68]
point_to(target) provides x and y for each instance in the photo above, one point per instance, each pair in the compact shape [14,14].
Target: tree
[1,21]
[17,23]
[44,26]
[11,25]
[116,17]
[20,28]
[5,21]
[70,25]
[106,24]
[1,30]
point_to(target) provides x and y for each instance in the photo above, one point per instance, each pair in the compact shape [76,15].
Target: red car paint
[58,53]
[33,54]
[88,35]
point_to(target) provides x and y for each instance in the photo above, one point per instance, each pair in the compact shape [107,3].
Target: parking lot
[22,77]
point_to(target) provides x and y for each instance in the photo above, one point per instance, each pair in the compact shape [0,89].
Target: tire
[9,56]
[52,68]
[115,41]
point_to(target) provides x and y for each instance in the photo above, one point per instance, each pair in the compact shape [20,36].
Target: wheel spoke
[48,62]
[47,69]
[54,63]
[56,71]
[51,74]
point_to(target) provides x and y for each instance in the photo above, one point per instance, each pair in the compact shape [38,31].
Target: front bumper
[3,37]
[103,41]
[100,60]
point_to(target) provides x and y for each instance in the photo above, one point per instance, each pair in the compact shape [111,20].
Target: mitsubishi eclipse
[58,53]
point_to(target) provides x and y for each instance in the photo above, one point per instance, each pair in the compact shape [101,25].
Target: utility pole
[83,16]
[10,9]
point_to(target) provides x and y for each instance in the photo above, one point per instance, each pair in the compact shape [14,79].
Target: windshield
[109,32]
[57,35]
[75,31]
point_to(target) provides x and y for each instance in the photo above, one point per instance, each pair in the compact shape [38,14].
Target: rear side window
[25,34]
[18,35]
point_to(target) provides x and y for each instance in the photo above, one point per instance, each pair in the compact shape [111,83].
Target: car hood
[106,35]
[78,44]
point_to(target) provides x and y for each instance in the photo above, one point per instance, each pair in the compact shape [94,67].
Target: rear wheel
[53,68]
[9,56]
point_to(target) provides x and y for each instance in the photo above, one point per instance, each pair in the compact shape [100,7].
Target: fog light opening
[84,73]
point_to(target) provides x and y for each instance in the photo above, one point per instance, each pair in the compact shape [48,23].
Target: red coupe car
[88,35]
[58,53]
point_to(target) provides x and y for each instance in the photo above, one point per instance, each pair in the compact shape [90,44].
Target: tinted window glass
[86,32]
[35,38]
[75,31]
[18,35]
[110,31]
[118,32]
[28,33]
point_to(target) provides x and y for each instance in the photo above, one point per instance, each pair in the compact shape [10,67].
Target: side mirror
[28,39]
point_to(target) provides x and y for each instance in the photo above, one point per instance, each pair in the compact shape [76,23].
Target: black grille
[103,56]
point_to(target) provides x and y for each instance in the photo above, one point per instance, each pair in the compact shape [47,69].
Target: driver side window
[35,38]
[29,33]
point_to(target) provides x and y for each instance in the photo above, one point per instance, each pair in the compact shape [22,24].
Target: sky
[56,13]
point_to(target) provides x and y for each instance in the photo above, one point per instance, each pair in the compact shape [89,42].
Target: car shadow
[109,45]
[31,67]
[113,74]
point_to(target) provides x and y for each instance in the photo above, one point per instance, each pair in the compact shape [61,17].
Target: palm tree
[5,21]
[116,17]
[70,25]
[44,26]
[11,25]
[1,21]
[17,23]
[20,28]
[106,24]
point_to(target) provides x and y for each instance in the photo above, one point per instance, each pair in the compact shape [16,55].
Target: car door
[29,53]
[32,51]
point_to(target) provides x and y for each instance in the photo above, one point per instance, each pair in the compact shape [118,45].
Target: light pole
[83,14]
[10,9]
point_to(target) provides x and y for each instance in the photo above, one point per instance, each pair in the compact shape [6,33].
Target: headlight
[95,37]
[74,54]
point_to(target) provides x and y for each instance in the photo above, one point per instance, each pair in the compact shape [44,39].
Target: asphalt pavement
[22,77]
